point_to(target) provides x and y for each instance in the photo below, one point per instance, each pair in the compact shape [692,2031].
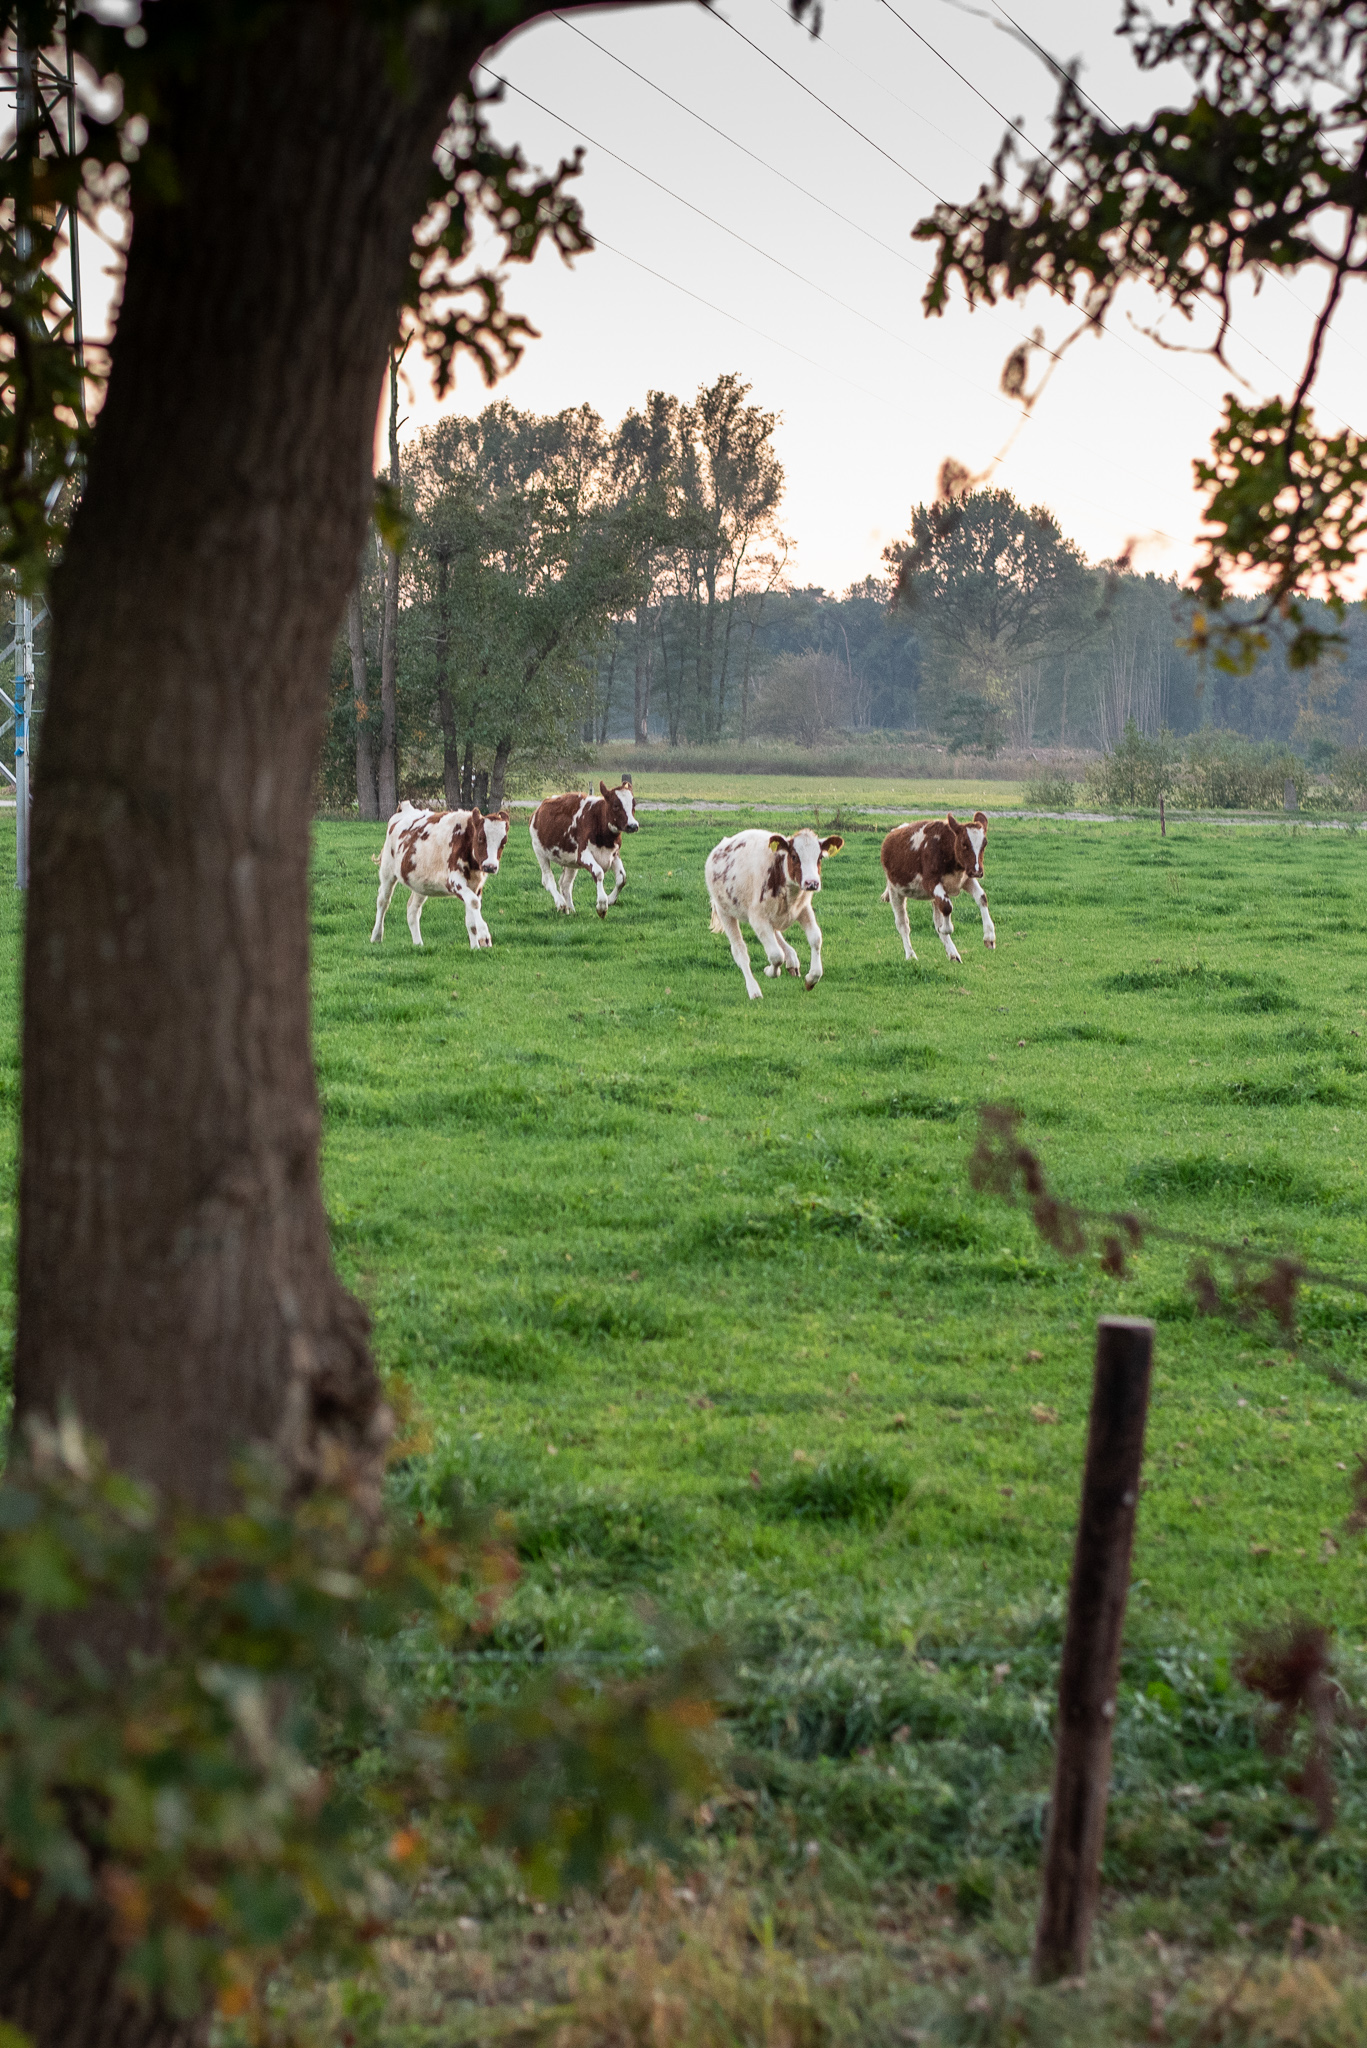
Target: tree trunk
[389,646]
[446,710]
[467,774]
[175,1281]
[641,708]
[57,1983]
[502,755]
[367,802]
[605,720]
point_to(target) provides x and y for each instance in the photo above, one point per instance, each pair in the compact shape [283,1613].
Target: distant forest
[562,583]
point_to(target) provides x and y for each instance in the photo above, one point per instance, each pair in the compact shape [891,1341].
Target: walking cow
[770,881]
[440,853]
[933,861]
[577,831]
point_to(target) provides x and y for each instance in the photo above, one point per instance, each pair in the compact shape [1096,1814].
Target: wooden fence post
[1091,1647]
[1162,817]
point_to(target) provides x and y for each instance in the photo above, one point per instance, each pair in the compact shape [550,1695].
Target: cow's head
[804,853]
[470,846]
[621,805]
[495,838]
[969,841]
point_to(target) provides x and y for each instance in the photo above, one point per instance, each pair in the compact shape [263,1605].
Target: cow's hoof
[485,942]
[602,909]
[811,981]
[771,971]
[756,995]
[991,945]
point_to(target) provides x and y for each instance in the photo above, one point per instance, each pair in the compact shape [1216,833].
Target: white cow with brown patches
[770,882]
[932,861]
[440,853]
[577,831]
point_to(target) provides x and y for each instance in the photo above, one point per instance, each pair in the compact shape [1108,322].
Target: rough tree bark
[174,1273]
[367,802]
[175,1282]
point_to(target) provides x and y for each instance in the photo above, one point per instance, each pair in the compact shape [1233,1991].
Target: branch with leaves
[1263,172]
[1255,1282]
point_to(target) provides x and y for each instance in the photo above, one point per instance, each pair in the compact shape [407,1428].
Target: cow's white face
[807,849]
[495,838]
[976,836]
[627,800]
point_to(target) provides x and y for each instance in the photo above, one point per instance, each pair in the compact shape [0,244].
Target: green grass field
[699,1289]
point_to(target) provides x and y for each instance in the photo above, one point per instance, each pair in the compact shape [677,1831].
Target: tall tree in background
[542,556]
[1259,175]
[730,488]
[367,797]
[995,590]
[645,464]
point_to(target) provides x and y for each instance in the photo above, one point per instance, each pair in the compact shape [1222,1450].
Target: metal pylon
[42,92]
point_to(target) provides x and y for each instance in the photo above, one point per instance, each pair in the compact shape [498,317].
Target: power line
[939,55]
[755,248]
[749,325]
[885,154]
[1142,355]
[1059,71]
[763,163]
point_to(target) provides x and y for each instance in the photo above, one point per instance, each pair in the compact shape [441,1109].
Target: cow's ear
[952,821]
[778,844]
[476,817]
[980,818]
[603,789]
[833,844]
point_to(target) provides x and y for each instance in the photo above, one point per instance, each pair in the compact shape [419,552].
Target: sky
[742,226]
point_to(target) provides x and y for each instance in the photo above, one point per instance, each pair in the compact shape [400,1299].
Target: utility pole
[44,124]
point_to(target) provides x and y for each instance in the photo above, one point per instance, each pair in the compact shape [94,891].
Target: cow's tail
[886,896]
[716,924]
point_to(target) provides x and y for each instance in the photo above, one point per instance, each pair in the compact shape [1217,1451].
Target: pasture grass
[699,1290]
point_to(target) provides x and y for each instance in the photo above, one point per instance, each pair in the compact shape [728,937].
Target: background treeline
[565,585]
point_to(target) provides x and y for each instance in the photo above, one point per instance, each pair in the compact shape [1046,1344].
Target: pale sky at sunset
[822,315]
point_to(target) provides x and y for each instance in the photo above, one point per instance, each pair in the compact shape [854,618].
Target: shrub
[1051,793]
[1226,772]
[1137,771]
[1348,778]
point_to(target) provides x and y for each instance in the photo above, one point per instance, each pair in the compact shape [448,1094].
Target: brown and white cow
[933,861]
[577,831]
[770,881]
[440,853]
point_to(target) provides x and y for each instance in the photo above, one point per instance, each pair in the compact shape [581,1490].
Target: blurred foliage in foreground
[245,1788]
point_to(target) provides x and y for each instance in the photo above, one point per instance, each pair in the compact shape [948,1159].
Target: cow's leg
[806,917]
[477,929]
[944,924]
[740,953]
[566,896]
[902,922]
[979,895]
[414,909]
[604,901]
[619,877]
[548,881]
[389,882]
[777,950]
